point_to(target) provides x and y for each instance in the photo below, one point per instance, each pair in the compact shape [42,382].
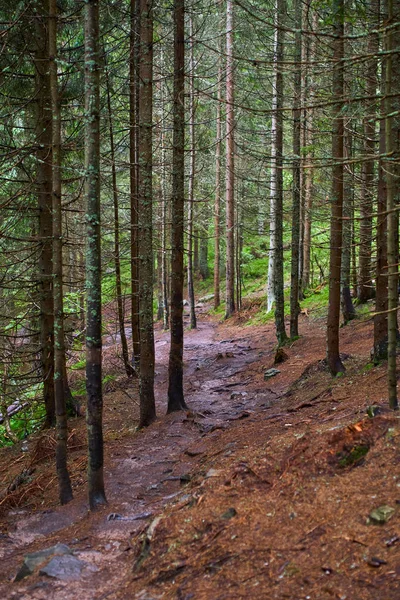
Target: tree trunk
[273,175]
[348,310]
[230,166]
[333,356]
[217,201]
[64,482]
[192,163]
[133,174]
[176,399]
[294,274]
[392,72]
[278,279]
[93,258]
[129,370]
[145,220]
[365,288]
[44,191]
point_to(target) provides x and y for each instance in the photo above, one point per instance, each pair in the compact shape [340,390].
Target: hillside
[262,490]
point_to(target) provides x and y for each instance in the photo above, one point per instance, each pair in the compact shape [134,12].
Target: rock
[270,373]
[185,303]
[34,560]
[376,562]
[196,450]
[229,514]
[382,514]
[213,473]
[66,568]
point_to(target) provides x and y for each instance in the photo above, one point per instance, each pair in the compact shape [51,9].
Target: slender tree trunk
[333,356]
[217,202]
[294,275]
[278,280]
[381,301]
[130,371]
[133,173]
[365,288]
[64,482]
[93,257]
[392,72]
[44,192]
[176,399]
[145,221]
[164,270]
[348,310]
[230,166]
[273,175]
[308,171]
[192,164]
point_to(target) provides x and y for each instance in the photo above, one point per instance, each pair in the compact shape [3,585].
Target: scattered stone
[229,514]
[213,473]
[392,541]
[270,373]
[66,568]
[34,560]
[382,514]
[196,450]
[376,562]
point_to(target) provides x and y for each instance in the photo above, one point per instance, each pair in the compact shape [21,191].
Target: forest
[199,249]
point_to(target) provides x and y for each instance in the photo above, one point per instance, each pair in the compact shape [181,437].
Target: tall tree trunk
[348,309]
[94,415]
[192,163]
[272,195]
[365,288]
[145,221]
[392,72]
[294,274]
[133,174]
[278,279]
[64,482]
[333,356]
[176,399]
[217,201]
[129,370]
[230,166]
[44,190]
[308,171]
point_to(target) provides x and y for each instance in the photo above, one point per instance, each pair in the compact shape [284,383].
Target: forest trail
[254,493]
[146,471]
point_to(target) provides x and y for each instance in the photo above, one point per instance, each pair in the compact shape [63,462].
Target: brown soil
[261,491]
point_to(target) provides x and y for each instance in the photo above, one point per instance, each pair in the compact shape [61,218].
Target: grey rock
[382,514]
[34,560]
[66,568]
[271,373]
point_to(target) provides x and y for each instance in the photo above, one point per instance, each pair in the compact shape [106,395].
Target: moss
[348,458]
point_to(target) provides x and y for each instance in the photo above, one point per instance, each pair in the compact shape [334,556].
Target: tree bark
[230,166]
[145,220]
[296,194]
[133,174]
[64,482]
[129,370]
[392,72]
[192,164]
[217,201]
[365,287]
[278,276]
[333,356]
[94,414]
[44,192]
[176,399]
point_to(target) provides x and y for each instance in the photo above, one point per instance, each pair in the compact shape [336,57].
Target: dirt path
[144,472]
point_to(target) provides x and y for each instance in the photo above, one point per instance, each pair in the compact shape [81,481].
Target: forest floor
[262,490]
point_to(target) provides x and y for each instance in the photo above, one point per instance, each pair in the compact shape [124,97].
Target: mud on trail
[259,491]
